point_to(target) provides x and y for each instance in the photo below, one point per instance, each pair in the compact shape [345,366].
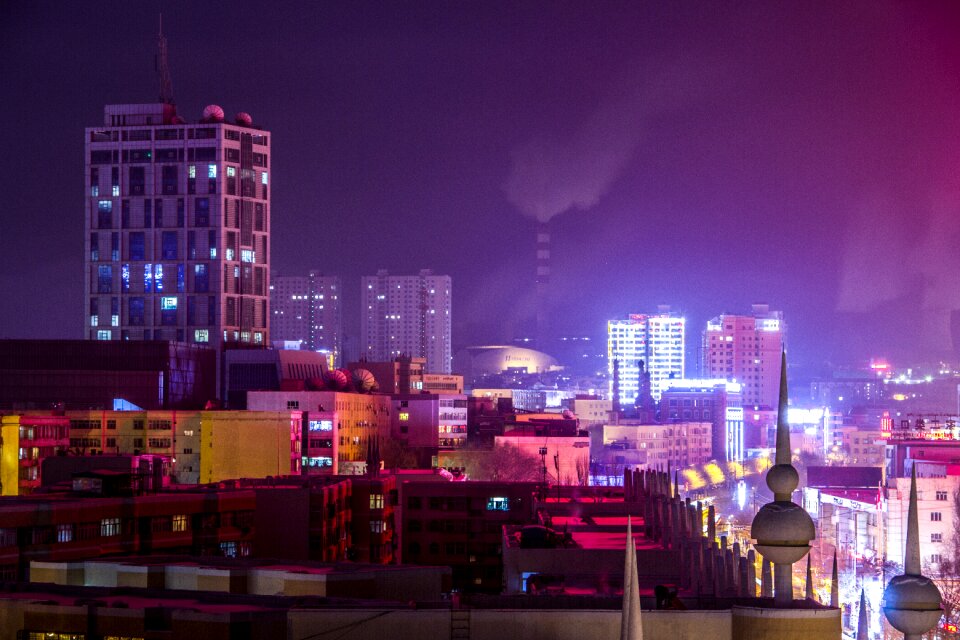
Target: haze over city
[703,155]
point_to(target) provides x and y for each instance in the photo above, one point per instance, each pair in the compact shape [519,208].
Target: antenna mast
[166,84]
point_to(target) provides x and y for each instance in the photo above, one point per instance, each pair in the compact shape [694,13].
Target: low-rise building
[338,426]
[25,441]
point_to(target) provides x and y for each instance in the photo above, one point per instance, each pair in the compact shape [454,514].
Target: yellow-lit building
[203,446]
[340,425]
[249,444]
[25,440]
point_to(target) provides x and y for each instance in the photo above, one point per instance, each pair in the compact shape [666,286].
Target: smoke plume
[552,174]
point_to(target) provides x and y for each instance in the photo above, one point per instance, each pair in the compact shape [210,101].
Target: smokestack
[616,387]
[543,279]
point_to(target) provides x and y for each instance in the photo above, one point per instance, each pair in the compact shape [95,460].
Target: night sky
[702,155]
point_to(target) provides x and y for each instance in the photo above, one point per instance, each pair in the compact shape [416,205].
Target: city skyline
[830,139]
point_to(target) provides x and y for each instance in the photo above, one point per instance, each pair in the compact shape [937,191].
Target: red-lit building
[78,526]
[459,524]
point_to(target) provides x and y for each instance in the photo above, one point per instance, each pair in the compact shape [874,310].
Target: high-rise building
[746,349]
[177,227]
[406,315]
[306,309]
[656,340]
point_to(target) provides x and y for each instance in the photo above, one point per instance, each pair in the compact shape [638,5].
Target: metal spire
[809,586]
[862,624]
[163,69]
[835,584]
[911,559]
[631,627]
[783,427]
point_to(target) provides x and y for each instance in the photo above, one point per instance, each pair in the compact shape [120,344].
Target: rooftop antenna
[166,84]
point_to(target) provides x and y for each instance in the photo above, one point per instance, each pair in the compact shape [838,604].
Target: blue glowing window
[158,276]
[212,171]
[105,214]
[201,335]
[180,278]
[321,425]
[147,277]
[498,504]
[105,279]
[125,277]
[201,278]
[168,303]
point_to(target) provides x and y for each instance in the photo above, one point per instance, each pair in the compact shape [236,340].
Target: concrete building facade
[306,309]
[406,315]
[177,227]
[746,349]
[655,339]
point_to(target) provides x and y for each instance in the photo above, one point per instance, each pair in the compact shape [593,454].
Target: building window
[64,533]
[135,308]
[201,335]
[105,278]
[169,243]
[498,504]
[941,495]
[104,334]
[201,212]
[936,558]
[376,526]
[104,214]
[110,527]
[376,501]
[180,523]
[936,516]
[293,404]
[936,537]
[169,179]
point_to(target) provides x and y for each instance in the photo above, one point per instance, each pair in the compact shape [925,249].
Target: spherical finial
[783,531]
[243,119]
[912,604]
[783,479]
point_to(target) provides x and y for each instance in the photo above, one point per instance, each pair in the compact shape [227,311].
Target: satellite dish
[213,113]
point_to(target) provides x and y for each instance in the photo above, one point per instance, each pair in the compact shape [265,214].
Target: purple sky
[703,155]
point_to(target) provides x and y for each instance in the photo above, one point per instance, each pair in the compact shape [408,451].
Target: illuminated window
[110,527]
[201,335]
[64,532]
[168,303]
[212,171]
[498,503]
[180,523]
[231,172]
[263,177]
[404,416]
[114,321]
[158,276]
[321,425]
[192,171]
[104,334]
[376,501]
[247,255]
[94,321]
